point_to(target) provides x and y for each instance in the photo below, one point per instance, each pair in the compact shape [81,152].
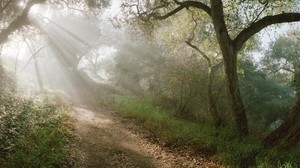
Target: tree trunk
[230,63]
[38,75]
[239,112]
[293,138]
[217,119]
[285,129]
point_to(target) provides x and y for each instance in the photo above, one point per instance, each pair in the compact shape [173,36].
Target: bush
[31,134]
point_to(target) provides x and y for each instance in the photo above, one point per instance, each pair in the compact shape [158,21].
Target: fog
[44,56]
[64,46]
[226,83]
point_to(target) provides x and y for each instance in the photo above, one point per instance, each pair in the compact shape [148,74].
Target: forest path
[102,140]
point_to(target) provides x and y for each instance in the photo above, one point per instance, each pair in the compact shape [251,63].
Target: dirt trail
[102,140]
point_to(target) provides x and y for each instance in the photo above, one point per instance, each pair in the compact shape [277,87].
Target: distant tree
[266,99]
[137,66]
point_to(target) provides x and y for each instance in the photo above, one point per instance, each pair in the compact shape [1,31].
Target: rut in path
[102,140]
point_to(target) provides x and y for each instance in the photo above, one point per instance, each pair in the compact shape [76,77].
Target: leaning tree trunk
[293,138]
[284,129]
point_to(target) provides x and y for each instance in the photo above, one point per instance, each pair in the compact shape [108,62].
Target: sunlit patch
[91,118]
[21,4]
[36,9]
[39,12]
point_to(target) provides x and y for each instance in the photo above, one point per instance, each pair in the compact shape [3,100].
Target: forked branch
[255,27]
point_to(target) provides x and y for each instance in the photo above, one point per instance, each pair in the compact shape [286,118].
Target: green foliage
[43,147]
[222,144]
[31,134]
[265,98]
[154,118]
[278,157]
[185,86]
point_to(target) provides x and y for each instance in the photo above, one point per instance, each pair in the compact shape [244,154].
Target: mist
[145,83]
[59,43]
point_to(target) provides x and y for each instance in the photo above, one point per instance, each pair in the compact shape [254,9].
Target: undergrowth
[221,144]
[32,134]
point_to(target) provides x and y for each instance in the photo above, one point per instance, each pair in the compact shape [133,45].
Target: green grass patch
[223,144]
[32,134]
[43,147]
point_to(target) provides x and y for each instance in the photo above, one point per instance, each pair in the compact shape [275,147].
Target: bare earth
[103,140]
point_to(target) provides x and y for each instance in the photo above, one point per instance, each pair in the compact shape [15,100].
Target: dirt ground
[103,140]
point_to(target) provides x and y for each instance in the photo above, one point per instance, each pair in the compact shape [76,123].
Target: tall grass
[221,144]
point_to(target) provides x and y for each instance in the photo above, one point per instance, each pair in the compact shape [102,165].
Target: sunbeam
[51,61]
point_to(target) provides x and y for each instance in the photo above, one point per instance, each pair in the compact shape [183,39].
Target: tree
[211,71]
[14,16]
[231,37]
[17,19]
[189,37]
[137,66]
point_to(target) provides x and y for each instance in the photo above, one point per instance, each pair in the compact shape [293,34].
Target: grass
[32,134]
[221,144]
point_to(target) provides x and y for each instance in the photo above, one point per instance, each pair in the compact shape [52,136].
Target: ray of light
[67,39]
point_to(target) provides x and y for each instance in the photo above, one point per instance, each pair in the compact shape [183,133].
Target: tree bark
[239,111]
[230,64]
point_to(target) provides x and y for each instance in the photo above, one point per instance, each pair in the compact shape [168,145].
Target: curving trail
[103,141]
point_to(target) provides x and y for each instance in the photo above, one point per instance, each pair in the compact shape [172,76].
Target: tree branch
[73,8]
[200,52]
[182,5]
[34,54]
[20,21]
[255,27]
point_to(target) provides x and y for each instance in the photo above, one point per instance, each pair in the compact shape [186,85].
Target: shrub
[31,134]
